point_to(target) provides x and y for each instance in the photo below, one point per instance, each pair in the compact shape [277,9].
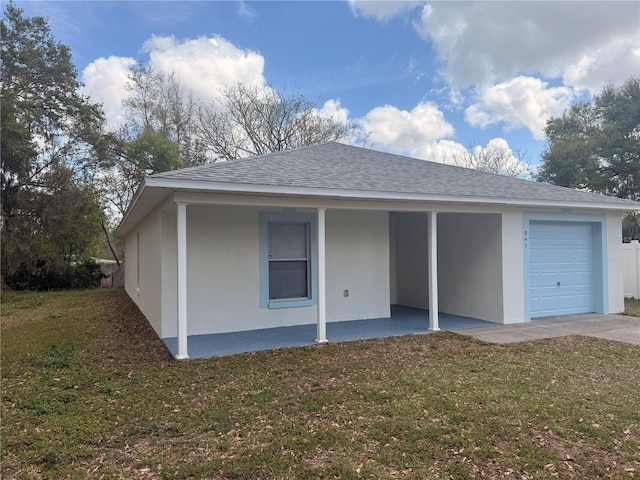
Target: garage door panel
[548,303]
[582,254]
[584,302]
[583,299]
[536,234]
[565,277]
[567,233]
[535,304]
[565,254]
[534,254]
[548,256]
[560,268]
[548,279]
[574,279]
[566,302]
[583,279]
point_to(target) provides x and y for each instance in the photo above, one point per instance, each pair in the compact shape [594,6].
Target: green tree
[59,224]
[149,152]
[153,152]
[595,145]
[53,147]
[18,152]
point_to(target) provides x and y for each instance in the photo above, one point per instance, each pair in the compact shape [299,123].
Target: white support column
[433,271]
[182,281]
[322,290]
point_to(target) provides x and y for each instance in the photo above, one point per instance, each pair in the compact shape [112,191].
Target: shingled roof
[335,170]
[335,166]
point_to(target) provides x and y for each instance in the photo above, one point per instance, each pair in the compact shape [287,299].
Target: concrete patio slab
[403,321]
[619,328]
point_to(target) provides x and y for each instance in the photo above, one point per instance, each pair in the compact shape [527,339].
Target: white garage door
[560,268]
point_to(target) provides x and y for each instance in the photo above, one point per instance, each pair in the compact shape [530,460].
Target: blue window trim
[287,216]
[599,259]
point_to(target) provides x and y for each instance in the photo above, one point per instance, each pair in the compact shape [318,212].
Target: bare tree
[167,128]
[251,120]
[496,157]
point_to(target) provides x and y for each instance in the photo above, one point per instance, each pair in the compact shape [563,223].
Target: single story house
[332,233]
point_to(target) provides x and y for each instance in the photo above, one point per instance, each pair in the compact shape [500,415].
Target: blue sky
[422,78]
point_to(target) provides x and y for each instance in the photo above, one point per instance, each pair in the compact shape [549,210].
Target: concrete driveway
[620,328]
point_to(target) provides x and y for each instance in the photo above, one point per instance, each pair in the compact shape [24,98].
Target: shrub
[85,274]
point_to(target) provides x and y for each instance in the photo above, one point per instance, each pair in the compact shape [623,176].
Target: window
[287,259]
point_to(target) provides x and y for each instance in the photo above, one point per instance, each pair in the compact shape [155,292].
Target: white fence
[631,267]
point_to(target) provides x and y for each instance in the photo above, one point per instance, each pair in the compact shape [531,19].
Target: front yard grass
[632,307]
[88,391]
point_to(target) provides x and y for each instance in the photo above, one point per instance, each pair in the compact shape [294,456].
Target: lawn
[88,391]
[632,306]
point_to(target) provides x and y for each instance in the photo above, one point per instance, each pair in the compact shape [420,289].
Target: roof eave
[224,187]
[119,231]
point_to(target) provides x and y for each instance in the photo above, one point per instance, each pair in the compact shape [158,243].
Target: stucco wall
[513,309]
[470,265]
[169,269]
[131,264]
[223,271]
[411,263]
[357,261]
[614,263]
[393,271]
[147,294]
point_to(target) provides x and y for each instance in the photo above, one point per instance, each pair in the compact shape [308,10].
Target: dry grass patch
[92,392]
[632,307]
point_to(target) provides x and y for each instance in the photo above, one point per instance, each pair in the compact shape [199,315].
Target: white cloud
[422,133]
[406,131]
[104,81]
[488,42]
[335,111]
[245,11]
[496,156]
[611,61]
[443,151]
[520,102]
[381,10]
[204,65]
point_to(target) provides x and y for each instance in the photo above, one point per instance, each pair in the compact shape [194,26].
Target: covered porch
[403,321]
[356,260]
